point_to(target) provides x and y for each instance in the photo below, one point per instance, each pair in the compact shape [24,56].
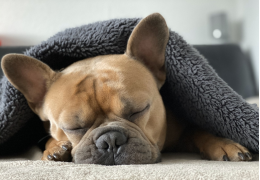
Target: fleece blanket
[192,89]
[173,166]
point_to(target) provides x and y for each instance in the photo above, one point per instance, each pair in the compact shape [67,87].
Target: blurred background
[228,28]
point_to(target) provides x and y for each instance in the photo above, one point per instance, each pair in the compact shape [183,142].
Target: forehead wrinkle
[81,84]
[95,95]
[107,87]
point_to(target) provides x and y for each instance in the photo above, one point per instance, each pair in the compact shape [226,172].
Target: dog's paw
[60,152]
[225,150]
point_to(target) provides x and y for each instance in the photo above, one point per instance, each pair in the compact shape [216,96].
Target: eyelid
[139,113]
[76,130]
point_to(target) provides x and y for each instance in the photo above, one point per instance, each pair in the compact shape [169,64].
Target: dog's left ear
[30,76]
[147,44]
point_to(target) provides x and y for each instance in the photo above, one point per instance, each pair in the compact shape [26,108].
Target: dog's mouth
[116,146]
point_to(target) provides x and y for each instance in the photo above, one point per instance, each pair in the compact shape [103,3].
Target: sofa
[19,157]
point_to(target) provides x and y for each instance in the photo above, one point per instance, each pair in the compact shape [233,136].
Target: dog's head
[109,107]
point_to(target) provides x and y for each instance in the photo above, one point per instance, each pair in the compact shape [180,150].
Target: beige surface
[173,166]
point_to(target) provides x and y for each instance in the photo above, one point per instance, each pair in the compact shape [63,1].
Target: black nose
[111,140]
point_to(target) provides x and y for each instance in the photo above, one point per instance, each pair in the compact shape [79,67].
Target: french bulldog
[108,109]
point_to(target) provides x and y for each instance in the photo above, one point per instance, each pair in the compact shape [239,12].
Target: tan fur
[106,100]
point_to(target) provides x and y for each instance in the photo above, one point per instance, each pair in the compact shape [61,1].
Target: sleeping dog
[108,109]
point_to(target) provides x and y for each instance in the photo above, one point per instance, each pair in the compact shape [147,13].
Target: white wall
[248,15]
[28,22]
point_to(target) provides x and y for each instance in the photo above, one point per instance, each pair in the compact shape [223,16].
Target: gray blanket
[192,89]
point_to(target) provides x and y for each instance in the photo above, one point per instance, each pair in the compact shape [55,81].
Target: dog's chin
[135,152]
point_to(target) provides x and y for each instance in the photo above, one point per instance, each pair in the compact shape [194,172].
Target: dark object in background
[219,26]
[232,66]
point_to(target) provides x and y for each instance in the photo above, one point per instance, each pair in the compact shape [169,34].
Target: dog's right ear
[30,76]
[147,43]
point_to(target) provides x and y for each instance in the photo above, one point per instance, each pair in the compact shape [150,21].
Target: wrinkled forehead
[108,72]
[105,83]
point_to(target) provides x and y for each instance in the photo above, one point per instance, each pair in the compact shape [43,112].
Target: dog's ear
[147,44]
[30,76]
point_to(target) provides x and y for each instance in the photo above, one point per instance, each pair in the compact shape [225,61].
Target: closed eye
[76,130]
[137,114]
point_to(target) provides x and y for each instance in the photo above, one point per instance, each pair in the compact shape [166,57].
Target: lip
[125,155]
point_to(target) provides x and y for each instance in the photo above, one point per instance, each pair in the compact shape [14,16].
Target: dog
[108,109]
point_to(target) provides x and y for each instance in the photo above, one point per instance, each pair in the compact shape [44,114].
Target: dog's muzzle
[115,146]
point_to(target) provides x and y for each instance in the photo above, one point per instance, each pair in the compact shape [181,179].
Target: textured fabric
[197,94]
[192,88]
[173,166]
[14,110]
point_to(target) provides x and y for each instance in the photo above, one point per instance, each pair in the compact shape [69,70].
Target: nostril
[103,145]
[111,140]
[102,142]
[120,139]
